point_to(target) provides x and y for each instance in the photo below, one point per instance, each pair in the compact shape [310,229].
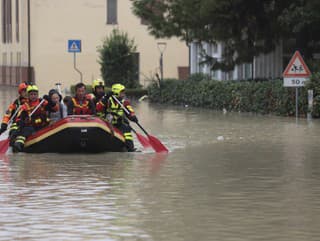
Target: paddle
[143,140]
[4,137]
[153,141]
[4,144]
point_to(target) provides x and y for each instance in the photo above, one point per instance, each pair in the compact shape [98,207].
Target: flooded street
[228,177]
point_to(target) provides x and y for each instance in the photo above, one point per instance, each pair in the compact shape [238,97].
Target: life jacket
[81,108]
[115,110]
[39,118]
[101,107]
[13,107]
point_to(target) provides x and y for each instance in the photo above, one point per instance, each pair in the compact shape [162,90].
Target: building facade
[35,34]
[264,66]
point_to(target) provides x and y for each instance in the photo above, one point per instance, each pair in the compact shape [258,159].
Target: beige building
[35,34]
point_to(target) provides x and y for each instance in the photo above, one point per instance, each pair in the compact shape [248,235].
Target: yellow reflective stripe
[130,108]
[128,136]
[115,108]
[22,138]
[14,126]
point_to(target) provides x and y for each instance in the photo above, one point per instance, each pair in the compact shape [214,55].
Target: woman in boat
[32,116]
[116,115]
[80,104]
[55,97]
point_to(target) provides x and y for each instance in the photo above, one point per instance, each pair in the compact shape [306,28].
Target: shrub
[255,96]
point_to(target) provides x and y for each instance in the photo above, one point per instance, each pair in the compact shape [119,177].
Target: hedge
[265,97]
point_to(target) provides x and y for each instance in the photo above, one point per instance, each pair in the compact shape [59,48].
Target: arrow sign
[74,46]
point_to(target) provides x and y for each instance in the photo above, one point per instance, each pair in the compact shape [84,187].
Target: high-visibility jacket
[13,107]
[81,107]
[118,113]
[39,117]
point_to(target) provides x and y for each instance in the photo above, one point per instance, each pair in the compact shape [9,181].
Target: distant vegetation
[247,28]
[265,97]
[118,61]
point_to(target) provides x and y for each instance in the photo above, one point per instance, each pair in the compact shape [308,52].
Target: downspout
[29,45]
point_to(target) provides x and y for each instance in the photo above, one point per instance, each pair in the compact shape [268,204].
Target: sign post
[74,46]
[295,75]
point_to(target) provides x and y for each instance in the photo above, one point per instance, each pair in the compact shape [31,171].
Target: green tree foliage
[117,60]
[246,27]
[301,21]
[263,97]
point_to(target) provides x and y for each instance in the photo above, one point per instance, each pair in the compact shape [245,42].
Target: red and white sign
[297,72]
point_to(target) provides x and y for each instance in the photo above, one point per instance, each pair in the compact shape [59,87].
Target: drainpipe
[29,45]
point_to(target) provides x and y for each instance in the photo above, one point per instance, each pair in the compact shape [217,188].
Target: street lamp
[162,47]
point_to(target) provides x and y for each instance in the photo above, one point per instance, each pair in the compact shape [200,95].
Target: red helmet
[22,86]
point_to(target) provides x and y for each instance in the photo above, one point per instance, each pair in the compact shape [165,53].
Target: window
[4,59]
[17,21]
[214,48]
[6,21]
[247,71]
[112,10]
[18,59]
[9,9]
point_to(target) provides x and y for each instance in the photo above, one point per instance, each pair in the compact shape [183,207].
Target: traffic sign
[297,67]
[74,46]
[297,72]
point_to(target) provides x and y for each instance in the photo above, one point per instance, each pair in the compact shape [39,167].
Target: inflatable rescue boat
[76,134]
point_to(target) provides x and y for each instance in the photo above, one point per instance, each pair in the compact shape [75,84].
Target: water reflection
[85,196]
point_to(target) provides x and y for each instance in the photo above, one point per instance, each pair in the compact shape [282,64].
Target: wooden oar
[154,142]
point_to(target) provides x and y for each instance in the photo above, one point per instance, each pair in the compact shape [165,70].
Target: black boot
[130,146]
[17,147]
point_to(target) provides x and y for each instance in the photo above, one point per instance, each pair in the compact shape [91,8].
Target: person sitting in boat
[61,113]
[32,116]
[116,115]
[12,110]
[81,104]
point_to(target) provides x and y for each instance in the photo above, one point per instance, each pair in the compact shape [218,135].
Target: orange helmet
[22,87]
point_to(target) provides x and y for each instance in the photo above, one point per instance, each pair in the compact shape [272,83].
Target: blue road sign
[74,46]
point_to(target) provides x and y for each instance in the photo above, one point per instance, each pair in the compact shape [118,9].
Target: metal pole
[161,66]
[310,104]
[297,101]
[75,66]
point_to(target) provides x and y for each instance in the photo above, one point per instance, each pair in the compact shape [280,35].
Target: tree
[246,27]
[301,19]
[117,60]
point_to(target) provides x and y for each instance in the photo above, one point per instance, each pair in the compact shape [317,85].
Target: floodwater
[228,177]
